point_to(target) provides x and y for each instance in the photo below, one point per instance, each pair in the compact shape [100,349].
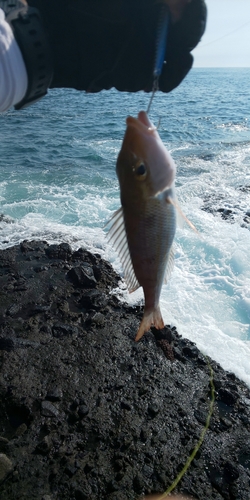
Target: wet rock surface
[87,413]
[227,209]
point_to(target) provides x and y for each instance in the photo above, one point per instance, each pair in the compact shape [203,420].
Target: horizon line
[220,67]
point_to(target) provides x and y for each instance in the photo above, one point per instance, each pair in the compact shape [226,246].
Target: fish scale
[154,234]
[143,229]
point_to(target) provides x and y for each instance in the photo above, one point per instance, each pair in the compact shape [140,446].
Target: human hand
[99,45]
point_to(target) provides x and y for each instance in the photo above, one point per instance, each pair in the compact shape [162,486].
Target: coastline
[87,413]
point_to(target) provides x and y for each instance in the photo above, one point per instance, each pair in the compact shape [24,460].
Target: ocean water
[58,183]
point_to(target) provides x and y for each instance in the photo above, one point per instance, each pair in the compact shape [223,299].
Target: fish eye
[140,171]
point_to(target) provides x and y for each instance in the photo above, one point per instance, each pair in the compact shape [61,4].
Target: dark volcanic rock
[82,276]
[87,413]
[229,210]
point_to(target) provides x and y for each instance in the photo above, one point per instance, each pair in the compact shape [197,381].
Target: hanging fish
[143,229]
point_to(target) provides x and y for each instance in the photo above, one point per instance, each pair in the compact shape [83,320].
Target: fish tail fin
[152,318]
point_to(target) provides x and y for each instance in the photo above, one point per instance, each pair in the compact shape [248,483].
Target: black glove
[32,40]
[100,44]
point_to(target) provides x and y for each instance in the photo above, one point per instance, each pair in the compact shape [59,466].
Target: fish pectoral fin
[118,238]
[163,195]
[180,215]
[153,318]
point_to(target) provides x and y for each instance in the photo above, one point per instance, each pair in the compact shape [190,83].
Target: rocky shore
[88,414]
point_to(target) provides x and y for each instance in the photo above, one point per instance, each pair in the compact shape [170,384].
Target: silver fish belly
[143,236]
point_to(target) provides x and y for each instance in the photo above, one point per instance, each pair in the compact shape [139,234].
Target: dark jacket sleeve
[100,44]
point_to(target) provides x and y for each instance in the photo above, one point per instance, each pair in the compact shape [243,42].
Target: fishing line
[224,36]
[161,42]
[201,439]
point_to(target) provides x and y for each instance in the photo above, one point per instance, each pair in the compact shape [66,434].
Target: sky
[226,42]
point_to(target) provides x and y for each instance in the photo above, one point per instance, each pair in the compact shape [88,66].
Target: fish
[142,230]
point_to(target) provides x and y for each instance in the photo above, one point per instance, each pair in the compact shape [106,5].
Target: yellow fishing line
[203,432]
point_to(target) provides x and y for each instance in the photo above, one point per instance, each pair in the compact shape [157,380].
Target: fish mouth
[141,123]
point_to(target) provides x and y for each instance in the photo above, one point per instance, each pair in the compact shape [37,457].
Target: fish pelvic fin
[154,318]
[170,264]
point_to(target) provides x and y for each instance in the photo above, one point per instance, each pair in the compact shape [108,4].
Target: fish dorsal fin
[117,236]
[170,265]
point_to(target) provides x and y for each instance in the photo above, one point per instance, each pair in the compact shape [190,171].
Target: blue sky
[226,42]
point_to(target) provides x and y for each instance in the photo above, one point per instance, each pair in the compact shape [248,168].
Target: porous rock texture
[87,413]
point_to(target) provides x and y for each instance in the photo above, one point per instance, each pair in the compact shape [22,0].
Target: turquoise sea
[58,183]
